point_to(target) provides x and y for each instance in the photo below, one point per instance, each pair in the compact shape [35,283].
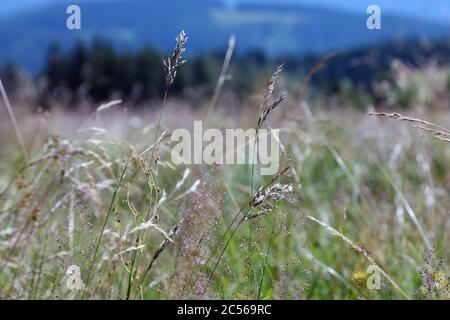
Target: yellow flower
[359,275]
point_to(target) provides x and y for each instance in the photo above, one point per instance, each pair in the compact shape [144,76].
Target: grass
[353,191]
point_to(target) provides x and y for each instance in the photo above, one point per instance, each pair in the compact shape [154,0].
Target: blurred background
[118,51]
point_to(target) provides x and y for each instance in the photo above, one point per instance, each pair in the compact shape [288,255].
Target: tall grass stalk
[223,77]
[12,117]
[171,66]
[264,110]
[272,234]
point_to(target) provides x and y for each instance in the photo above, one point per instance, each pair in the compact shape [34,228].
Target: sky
[437,10]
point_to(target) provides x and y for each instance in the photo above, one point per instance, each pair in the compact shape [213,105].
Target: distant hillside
[272,29]
[101,73]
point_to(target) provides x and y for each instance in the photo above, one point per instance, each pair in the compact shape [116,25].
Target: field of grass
[90,210]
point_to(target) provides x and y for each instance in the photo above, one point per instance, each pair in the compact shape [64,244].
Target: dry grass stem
[13,119]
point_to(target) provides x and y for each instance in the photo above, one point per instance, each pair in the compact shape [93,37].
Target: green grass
[368,191]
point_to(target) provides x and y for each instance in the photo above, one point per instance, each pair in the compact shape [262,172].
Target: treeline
[360,68]
[98,72]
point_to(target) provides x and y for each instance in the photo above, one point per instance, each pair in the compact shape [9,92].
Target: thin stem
[240,222]
[130,277]
[13,119]
[267,256]
[221,255]
[132,271]
[220,241]
[150,265]
[103,227]
[159,124]
[250,248]
[143,241]
[222,77]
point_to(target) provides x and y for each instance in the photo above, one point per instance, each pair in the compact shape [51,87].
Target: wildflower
[74,281]
[359,275]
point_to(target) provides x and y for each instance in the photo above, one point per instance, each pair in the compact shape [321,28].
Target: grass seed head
[172,63]
[267,106]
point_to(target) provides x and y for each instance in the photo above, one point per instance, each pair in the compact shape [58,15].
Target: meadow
[91,206]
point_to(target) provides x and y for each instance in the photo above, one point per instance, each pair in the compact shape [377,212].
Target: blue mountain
[271,27]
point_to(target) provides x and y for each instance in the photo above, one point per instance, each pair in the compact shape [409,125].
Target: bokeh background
[121,43]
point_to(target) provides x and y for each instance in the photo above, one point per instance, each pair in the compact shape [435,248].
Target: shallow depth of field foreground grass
[95,212]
